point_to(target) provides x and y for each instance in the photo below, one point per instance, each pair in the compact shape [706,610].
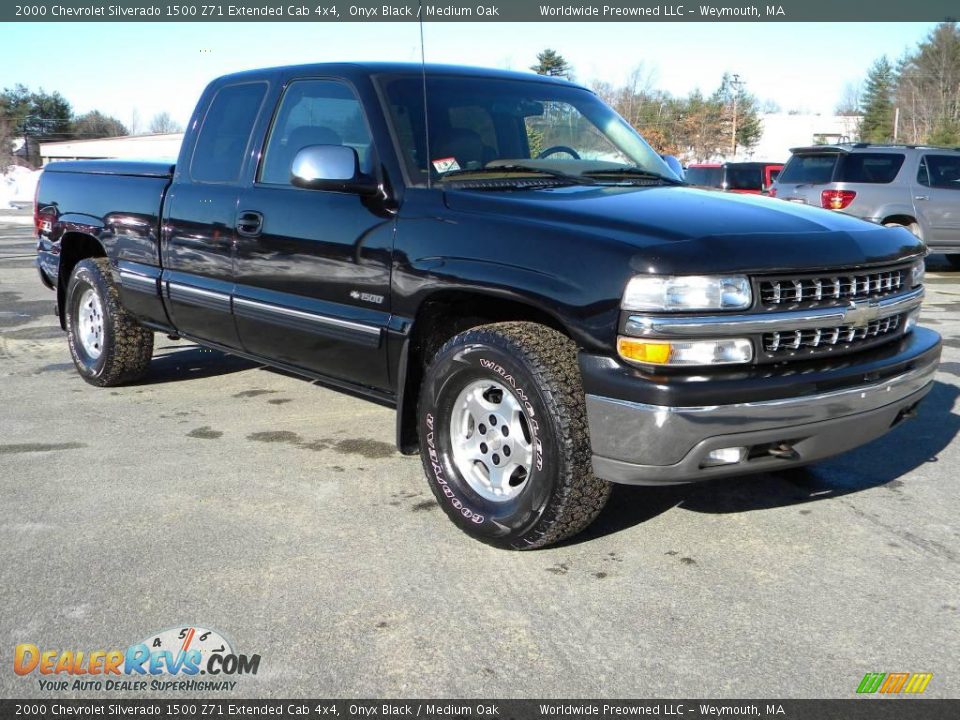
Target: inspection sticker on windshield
[444,165]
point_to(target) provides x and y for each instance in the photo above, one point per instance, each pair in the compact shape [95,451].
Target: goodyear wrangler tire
[109,347]
[504,439]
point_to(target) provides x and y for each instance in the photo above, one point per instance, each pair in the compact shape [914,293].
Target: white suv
[910,185]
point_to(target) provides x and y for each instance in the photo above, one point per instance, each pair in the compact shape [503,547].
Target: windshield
[489,124]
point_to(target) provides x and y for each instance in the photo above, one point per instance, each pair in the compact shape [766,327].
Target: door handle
[249,223]
[921,197]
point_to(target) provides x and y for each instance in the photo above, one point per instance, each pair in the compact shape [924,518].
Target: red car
[739,177]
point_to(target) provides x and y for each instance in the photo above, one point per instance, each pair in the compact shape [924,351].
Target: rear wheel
[912,227]
[504,438]
[108,345]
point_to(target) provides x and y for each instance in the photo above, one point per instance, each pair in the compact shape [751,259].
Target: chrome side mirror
[330,167]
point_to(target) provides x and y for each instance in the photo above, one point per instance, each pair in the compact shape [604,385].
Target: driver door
[313,275]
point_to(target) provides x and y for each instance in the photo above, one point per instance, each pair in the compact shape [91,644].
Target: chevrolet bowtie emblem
[860,312]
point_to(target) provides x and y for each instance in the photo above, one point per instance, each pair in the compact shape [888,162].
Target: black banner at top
[478,11]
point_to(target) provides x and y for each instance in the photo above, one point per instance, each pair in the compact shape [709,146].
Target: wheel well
[438,319]
[74,247]
[904,220]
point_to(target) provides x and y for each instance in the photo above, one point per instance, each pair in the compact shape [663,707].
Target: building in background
[782,131]
[126,147]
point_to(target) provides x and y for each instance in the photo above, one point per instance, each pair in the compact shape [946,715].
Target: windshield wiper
[631,172]
[519,168]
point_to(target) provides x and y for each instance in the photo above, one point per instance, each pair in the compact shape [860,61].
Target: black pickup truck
[503,259]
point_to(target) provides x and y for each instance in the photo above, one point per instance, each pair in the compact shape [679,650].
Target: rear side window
[869,167]
[225,133]
[940,171]
[744,178]
[314,112]
[809,169]
[706,177]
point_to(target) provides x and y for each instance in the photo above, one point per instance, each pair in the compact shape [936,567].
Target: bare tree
[850,98]
[95,124]
[163,123]
[6,144]
[928,89]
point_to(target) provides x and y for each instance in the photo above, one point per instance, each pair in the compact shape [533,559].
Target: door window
[314,112]
[225,134]
[942,171]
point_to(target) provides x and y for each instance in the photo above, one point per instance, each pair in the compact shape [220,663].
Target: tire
[109,347]
[912,227]
[527,376]
[954,261]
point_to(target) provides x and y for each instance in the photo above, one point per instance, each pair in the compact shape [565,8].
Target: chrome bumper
[643,444]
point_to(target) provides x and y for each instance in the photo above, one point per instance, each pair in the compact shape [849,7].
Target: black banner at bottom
[874,708]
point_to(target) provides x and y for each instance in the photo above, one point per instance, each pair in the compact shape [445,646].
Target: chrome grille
[789,343]
[824,289]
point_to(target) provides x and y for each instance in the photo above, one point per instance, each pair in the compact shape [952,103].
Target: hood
[683,230]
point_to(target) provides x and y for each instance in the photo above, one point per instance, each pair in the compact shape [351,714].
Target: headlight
[673,293]
[685,353]
[918,272]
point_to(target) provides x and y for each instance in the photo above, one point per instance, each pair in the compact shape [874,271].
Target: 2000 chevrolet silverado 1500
[506,261]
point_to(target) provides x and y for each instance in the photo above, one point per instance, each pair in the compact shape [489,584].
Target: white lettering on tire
[442,481]
[524,399]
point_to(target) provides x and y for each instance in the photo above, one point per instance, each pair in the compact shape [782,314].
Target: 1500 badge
[366,297]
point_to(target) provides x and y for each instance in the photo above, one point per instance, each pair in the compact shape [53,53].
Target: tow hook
[906,414]
[784,451]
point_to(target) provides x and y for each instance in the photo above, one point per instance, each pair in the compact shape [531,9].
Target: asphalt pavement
[226,495]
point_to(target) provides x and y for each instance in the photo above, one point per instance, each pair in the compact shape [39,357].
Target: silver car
[913,186]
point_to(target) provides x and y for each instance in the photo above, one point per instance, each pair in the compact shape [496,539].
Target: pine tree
[878,110]
[737,108]
[552,63]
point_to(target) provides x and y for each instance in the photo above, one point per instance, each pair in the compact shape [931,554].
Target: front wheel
[108,345]
[504,439]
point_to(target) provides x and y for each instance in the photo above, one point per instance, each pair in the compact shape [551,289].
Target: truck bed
[141,168]
[116,202]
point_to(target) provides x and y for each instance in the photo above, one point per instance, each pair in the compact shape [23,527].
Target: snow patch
[17,185]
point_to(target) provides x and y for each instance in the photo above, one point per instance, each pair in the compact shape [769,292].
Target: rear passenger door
[199,217]
[313,281]
[937,196]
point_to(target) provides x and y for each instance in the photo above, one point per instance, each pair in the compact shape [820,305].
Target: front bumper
[641,443]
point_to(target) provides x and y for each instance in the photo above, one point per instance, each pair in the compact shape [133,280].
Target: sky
[147,68]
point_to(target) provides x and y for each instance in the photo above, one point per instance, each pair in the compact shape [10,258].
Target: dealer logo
[182,653]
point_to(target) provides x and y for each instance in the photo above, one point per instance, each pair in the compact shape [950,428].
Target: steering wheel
[557,149]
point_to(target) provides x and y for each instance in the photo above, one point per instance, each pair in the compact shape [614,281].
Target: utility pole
[736,85]
[896,124]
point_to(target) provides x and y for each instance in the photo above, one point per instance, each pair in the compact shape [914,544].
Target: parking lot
[230,496]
